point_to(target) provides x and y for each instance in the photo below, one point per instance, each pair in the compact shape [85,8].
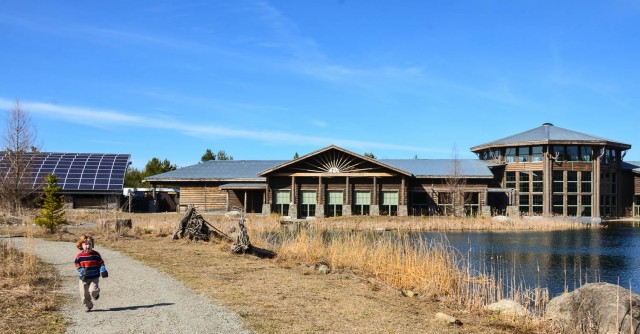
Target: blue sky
[267,79]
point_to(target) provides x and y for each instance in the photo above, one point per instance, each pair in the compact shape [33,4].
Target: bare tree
[19,144]
[455,184]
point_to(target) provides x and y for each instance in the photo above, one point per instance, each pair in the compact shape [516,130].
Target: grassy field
[367,290]
[29,300]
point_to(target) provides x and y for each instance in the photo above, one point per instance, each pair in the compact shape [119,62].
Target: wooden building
[546,171]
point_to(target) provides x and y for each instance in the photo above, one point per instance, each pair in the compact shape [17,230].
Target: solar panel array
[77,171]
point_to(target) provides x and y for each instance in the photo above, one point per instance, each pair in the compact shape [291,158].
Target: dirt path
[135,297]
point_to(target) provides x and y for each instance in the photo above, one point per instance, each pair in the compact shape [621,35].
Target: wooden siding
[205,198]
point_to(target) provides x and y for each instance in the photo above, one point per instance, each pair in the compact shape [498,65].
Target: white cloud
[101,118]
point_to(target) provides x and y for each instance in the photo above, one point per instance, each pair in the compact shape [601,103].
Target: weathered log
[195,227]
[243,245]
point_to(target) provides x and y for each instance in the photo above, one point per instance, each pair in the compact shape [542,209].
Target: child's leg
[94,288]
[85,296]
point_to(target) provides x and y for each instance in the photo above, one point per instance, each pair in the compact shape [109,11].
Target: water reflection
[558,260]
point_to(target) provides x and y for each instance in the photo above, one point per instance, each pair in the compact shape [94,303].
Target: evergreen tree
[207,156]
[222,155]
[51,213]
[155,166]
[296,156]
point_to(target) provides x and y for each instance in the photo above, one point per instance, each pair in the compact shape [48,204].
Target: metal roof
[548,133]
[246,170]
[470,168]
[634,166]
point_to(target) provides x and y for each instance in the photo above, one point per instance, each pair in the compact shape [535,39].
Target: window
[523,154]
[572,205]
[585,182]
[572,153]
[495,154]
[537,181]
[536,154]
[536,205]
[524,182]
[421,204]
[334,204]
[524,203]
[558,151]
[510,155]
[558,204]
[308,204]
[510,180]
[362,201]
[281,200]
[585,153]
[572,181]
[389,203]
[558,182]
[585,205]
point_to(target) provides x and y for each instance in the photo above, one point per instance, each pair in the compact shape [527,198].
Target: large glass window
[308,204]
[362,202]
[523,154]
[334,205]
[536,154]
[421,204]
[572,153]
[281,200]
[510,155]
[389,203]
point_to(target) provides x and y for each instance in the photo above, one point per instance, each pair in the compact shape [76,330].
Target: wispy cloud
[101,118]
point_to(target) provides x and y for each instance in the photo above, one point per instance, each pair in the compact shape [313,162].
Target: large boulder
[596,308]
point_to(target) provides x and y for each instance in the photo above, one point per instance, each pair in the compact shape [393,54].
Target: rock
[323,269]
[232,214]
[501,219]
[409,293]
[508,307]
[447,319]
[596,308]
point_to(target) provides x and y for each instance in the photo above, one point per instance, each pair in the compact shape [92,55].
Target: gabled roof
[547,133]
[218,170]
[379,163]
[439,168]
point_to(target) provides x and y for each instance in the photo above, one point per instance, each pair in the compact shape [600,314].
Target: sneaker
[88,309]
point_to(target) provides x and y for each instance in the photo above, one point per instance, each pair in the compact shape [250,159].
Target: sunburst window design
[334,162]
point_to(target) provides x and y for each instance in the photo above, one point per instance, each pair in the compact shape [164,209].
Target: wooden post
[245,201]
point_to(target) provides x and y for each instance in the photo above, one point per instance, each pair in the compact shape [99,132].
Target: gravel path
[134,298]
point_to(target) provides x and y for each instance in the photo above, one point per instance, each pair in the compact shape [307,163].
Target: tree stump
[243,245]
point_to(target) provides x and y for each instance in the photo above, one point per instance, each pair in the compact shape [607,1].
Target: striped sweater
[91,263]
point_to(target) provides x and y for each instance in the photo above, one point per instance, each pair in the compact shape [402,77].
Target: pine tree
[51,213]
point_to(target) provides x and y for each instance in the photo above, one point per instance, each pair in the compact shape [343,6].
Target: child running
[90,267]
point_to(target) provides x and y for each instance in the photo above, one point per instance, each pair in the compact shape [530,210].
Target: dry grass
[371,274]
[366,290]
[29,301]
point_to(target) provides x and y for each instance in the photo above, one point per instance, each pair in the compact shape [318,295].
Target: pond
[557,260]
